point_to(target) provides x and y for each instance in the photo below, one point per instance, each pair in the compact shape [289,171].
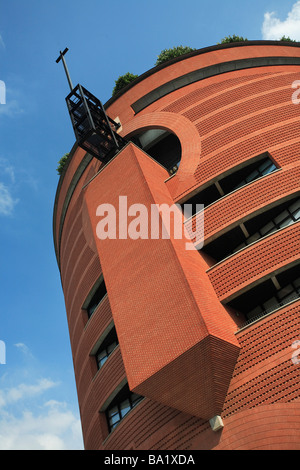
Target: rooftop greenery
[62,163]
[232,38]
[122,81]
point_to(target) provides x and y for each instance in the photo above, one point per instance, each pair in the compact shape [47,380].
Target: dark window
[161,145]
[257,227]
[96,299]
[235,180]
[107,347]
[268,295]
[120,406]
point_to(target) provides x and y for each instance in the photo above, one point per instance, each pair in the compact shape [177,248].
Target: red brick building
[191,349]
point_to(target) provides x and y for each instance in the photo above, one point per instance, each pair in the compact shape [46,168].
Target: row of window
[262,169]
[280,216]
[125,400]
[286,217]
[255,168]
[269,295]
[282,297]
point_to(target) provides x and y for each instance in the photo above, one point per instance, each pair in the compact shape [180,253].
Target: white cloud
[47,426]
[54,428]
[7,203]
[22,391]
[274,28]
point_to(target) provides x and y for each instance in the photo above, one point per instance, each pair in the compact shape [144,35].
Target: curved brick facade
[182,346]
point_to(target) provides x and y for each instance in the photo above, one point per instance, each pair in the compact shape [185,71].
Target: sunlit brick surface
[180,345]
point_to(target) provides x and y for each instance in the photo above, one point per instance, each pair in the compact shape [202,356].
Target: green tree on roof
[287,39]
[61,163]
[233,38]
[168,54]
[122,81]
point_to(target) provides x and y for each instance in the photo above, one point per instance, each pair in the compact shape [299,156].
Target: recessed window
[163,146]
[96,299]
[106,348]
[120,406]
[263,165]
[254,229]
[269,295]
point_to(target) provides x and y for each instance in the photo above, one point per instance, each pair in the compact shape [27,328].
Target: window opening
[124,402]
[262,166]
[269,295]
[257,227]
[96,299]
[163,146]
[107,347]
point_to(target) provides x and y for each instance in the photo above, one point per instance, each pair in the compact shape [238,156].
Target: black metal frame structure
[95,132]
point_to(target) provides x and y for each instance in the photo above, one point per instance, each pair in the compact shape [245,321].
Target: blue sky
[38,401]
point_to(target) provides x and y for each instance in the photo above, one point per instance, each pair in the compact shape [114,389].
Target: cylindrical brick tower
[190,349]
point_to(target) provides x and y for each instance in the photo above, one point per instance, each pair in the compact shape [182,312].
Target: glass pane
[101,354]
[265,164]
[135,398]
[114,419]
[253,175]
[282,216]
[286,222]
[268,169]
[113,411]
[295,206]
[296,214]
[111,347]
[253,238]
[125,407]
[112,426]
[102,361]
[267,228]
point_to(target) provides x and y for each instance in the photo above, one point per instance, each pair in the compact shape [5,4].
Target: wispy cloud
[32,414]
[7,202]
[30,419]
[2,42]
[54,427]
[274,28]
[23,391]
[11,109]
[13,180]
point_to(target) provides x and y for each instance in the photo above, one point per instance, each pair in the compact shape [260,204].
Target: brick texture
[180,346]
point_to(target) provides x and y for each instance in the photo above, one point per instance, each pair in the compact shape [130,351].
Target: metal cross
[61,57]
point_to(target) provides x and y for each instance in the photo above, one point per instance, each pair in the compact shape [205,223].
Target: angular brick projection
[185,339]
[181,333]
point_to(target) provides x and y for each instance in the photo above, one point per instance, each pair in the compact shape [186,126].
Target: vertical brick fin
[166,311]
